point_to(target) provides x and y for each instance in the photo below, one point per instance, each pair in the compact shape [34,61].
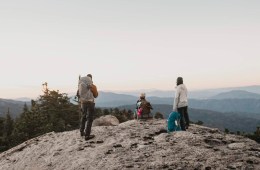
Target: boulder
[107,120]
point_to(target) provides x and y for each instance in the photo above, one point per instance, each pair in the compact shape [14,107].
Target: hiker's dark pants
[88,111]
[185,121]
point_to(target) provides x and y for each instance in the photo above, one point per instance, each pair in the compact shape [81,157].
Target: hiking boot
[82,134]
[89,137]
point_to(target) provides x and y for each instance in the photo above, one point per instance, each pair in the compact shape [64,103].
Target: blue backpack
[173,122]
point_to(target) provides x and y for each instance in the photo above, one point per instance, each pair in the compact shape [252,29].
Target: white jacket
[181,97]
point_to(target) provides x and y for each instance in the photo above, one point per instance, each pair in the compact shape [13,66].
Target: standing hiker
[87,91]
[181,103]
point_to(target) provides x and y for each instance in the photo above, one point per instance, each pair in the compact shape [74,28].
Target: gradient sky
[127,44]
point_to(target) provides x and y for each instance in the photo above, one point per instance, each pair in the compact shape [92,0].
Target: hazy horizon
[136,92]
[128,45]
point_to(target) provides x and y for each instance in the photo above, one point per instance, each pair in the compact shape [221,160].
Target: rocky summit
[135,145]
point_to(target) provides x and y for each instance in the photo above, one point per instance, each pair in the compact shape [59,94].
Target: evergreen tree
[57,112]
[52,111]
[226,130]
[28,125]
[98,113]
[130,115]
[106,112]
[3,146]
[158,115]
[199,122]
[8,124]
[255,136]
[25,108]
[2,120]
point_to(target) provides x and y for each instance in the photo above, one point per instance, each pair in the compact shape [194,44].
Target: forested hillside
[12,106]
[52,111]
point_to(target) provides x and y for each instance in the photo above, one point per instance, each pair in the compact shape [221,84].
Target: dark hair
[179,81]
[142,97]
[89,75]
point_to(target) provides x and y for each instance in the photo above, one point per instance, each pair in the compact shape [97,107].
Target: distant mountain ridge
[107,99]
[196,94]
[237,94]
[227,105]
[15,107]
[232,101]
[208,93]
[23,99]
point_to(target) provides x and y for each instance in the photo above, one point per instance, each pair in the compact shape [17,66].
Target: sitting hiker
[143,107]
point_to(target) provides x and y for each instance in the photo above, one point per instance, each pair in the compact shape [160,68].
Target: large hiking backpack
[85,85]
[145,108]
[173,122]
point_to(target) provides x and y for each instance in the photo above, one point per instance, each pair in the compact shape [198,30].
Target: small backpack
[94,90]
[146,106]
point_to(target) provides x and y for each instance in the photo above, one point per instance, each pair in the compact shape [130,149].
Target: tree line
[52,111]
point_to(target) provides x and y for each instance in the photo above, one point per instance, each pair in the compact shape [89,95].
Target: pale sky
[128,44]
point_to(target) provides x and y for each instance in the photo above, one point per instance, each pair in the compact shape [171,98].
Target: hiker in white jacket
[181,103]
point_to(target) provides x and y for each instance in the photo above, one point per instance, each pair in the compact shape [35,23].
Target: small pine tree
[226,131]
[199,122]
[257,132]
[158,115]
[8,124]
[106,112]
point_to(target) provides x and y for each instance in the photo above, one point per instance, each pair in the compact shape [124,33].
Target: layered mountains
[14,107]
[236,110]
[236,94]
[194,94]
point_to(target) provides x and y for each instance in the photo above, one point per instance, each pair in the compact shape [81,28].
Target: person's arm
[77,93]
[150,106]
[137,104]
